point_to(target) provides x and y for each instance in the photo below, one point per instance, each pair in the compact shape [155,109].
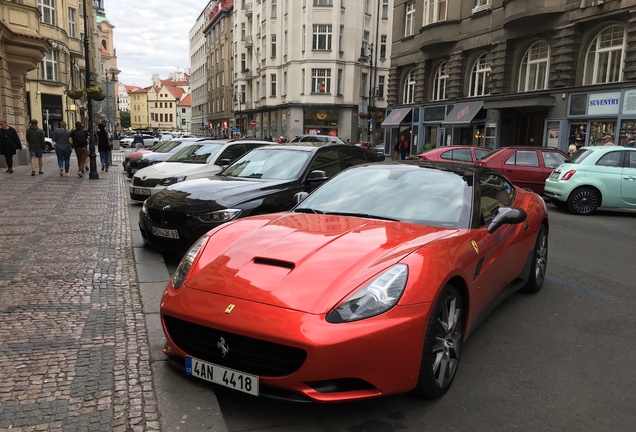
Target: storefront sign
[604,103]
[629,103]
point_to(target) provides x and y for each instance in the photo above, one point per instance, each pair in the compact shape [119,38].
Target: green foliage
[124,119]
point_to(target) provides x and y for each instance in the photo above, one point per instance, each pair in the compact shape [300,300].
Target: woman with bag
[63,148]
[9,143]
[103,146]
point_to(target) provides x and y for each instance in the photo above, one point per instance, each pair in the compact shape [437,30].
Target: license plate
[230,378]
[141,191]
[163,232]
[554,175]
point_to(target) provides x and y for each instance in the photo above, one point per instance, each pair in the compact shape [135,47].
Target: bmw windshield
[269,164]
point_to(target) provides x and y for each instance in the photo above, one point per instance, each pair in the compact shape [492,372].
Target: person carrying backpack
[79,141]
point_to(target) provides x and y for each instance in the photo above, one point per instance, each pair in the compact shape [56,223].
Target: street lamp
[89,106]
[366,46]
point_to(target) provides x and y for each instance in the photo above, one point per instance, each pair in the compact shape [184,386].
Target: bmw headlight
[377,297]
[171,180]
[219,216]
[187,261]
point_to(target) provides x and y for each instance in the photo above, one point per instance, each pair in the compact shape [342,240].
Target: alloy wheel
[448,343]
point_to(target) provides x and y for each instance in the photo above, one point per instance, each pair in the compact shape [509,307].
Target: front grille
[167,217]
[147,183]
[245,354]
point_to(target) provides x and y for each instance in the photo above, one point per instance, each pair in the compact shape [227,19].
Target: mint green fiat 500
[603,176]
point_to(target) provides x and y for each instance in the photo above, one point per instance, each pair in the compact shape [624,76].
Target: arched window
[439,82]
[479,77]
[533,73]
[408,95]
[104,44]
[605,56]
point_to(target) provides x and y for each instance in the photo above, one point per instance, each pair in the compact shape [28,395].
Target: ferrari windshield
[269,164]
[197,153]
[400,192]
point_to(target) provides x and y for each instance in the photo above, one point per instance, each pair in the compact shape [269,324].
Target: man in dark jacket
[35,138]
[9,143]
[79,141]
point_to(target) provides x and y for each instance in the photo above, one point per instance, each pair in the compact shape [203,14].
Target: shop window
[605,56]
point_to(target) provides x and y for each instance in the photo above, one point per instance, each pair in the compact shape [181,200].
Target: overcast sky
[152,37]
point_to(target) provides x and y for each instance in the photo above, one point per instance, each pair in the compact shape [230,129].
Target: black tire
[584,201]
[539,262]
[442,345]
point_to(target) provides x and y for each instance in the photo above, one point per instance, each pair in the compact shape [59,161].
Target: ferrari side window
[495,192]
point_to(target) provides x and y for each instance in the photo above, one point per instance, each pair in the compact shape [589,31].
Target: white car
[198,160]
[149,141]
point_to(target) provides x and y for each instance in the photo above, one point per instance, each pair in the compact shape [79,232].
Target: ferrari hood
[306,262]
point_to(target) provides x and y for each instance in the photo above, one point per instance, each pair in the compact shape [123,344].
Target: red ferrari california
[368,287]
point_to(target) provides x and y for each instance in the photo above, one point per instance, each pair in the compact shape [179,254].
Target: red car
[348,296]
[526,167]
[465,154]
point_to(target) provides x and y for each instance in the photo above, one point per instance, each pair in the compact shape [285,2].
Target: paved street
[74,339]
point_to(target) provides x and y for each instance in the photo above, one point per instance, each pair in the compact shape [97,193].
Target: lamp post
[366,46]
[89,106]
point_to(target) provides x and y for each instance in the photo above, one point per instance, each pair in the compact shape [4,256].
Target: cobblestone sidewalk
[73,340]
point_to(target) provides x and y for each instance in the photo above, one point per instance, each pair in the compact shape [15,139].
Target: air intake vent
[275,263]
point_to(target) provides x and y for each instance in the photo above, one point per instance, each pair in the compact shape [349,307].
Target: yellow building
[139,108]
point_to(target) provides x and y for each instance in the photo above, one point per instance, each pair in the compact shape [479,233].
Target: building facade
[310,66]
[499,73]
[198,79]
[107,111]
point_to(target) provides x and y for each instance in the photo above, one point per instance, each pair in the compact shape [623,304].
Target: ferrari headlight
[377,297]
[171,180]
[219,216]
[185,264]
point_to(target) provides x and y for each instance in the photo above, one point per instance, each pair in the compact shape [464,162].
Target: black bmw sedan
[264,180]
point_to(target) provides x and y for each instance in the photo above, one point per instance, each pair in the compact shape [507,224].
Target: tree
[124,118]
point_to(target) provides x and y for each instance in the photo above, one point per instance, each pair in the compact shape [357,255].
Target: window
[463,155]
[409,19]
[385,9]
[495,192]
[408,95]
[341,39]
[339,83]
[49,66]
[47,9]
[605,57]
[552,159]
[383,40]
[323,2]
[273,84]
[381,84]
[273,15]
[71,23]
[533,74]
[434,11]
[243,62]
[273,46]
[439,82]
[322,37]
[611,159]
[321,80]
[479,77]
[526,158]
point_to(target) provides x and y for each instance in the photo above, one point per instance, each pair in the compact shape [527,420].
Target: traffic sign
[253,123]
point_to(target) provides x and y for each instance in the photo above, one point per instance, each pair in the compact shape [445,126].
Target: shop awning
[462,113]
[395,117]
[524,102]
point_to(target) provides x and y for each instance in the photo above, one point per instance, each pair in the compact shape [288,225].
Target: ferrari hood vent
[274,263]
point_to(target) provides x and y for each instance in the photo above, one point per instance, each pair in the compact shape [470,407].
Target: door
[628,182]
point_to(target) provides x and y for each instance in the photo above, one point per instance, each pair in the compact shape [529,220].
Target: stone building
[511,72]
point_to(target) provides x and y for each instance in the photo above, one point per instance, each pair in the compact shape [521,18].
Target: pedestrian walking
[404,147]
[63,148]
[79,140]
[630,141]
[607,140]
[138,141]
[103,146]
[35,139]
[9,143]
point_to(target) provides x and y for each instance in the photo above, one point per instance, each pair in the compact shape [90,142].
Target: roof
[186,101]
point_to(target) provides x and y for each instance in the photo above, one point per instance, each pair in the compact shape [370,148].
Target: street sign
[253,123]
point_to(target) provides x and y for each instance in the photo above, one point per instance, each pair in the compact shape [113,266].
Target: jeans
[104,157]
[63,154]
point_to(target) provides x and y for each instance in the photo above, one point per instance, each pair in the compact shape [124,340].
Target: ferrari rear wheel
[442,345]
[539,262]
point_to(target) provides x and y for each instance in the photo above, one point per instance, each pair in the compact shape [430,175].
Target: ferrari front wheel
[539,262]
[442,344]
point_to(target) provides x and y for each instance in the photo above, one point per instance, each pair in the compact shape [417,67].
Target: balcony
[522,12]
[247,41]
[248,9]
